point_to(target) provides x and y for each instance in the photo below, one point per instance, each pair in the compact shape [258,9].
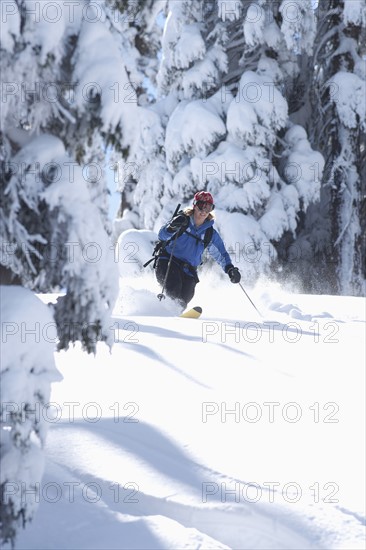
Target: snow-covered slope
[231,431]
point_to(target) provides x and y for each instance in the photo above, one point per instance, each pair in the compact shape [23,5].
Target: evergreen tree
[70,75]
[221,122]
[69,78]
[253,100]
[332,240]
[27,368]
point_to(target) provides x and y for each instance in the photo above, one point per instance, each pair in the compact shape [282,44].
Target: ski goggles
[205,206]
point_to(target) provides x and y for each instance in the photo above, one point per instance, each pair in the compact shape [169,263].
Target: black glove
[233,273]
[179,223]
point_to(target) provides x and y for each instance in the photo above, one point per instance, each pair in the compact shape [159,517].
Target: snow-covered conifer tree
[221,122]
[27,368]
[251,104]
[333,241]
[69,76]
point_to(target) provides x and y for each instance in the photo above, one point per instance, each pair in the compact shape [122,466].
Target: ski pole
[246,294]
[161,294]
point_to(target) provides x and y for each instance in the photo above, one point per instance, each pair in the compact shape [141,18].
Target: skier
[189,232]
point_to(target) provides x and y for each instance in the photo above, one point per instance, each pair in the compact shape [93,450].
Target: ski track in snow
[166,366]
[243,527]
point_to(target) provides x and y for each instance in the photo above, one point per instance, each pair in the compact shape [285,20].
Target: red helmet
[203,196]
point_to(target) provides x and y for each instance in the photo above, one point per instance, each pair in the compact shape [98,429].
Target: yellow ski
[193,313]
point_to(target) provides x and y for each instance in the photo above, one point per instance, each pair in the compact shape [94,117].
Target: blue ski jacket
[190,249]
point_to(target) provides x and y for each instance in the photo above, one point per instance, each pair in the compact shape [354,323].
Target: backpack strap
[158,250]
[208,236]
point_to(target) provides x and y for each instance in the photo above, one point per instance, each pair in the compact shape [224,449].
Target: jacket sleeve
[217,250]
[164,234]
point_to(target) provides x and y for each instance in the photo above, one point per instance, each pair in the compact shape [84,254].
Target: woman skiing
[189,233]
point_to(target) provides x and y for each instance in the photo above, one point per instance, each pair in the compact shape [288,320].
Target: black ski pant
[179,285]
